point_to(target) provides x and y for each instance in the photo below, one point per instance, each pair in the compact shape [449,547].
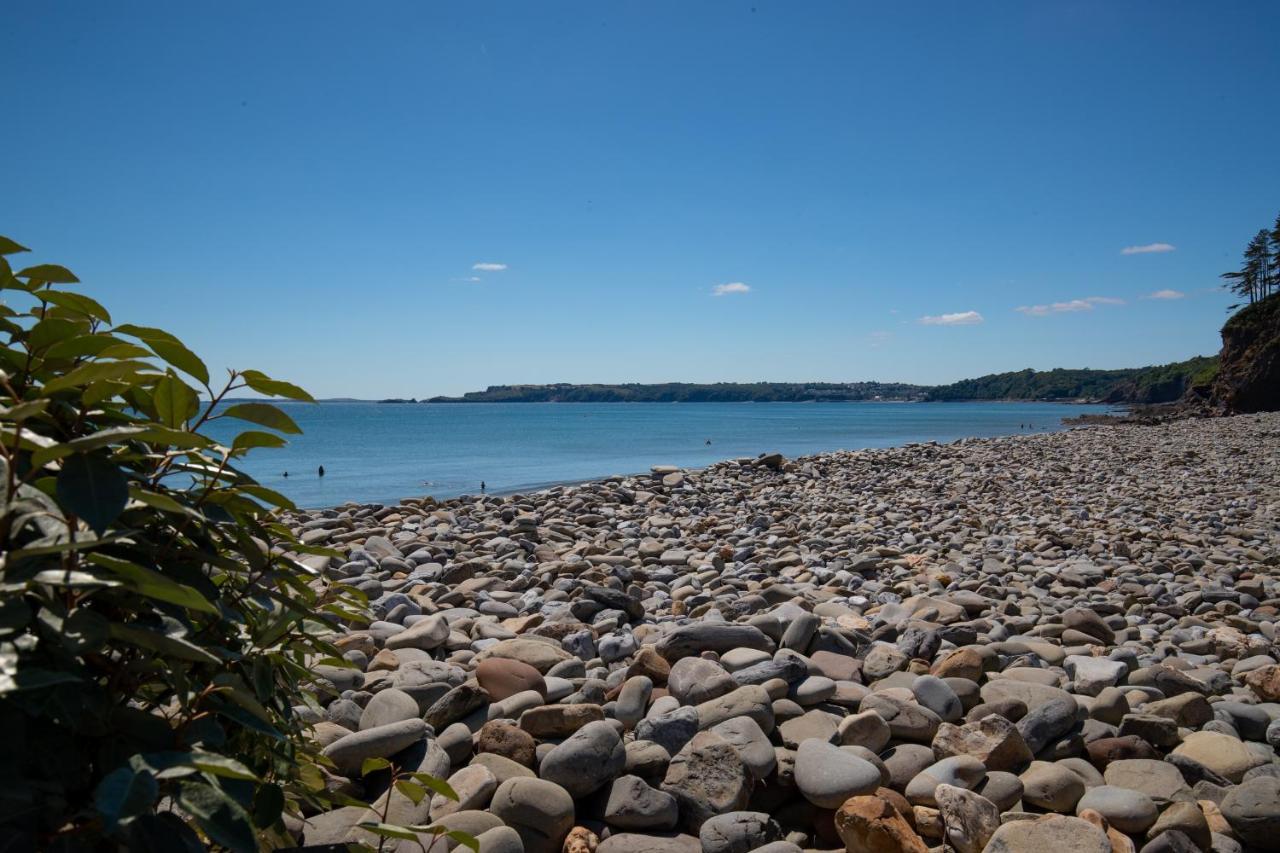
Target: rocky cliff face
[1249,376]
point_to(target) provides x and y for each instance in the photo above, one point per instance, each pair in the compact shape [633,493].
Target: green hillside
[1156,384]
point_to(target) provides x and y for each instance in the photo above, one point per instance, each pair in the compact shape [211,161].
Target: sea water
[381,452]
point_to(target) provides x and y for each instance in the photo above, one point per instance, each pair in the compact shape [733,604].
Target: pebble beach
[1052,642]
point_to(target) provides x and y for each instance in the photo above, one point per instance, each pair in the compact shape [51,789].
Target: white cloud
[730,288]
[486,266]
[961,318]
[1148,249]
[1068,307]
[1167,294]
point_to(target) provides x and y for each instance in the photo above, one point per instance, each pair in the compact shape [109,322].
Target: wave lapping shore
[1033,643]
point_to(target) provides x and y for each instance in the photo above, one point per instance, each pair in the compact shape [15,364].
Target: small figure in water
[286,473]
[321,470]
[482,486]
[708,441]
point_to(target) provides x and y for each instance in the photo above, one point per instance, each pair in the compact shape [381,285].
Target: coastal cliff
[1248,379]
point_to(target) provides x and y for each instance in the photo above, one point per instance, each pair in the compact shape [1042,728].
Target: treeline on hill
[1259,273]
[689,392]
[1158,384]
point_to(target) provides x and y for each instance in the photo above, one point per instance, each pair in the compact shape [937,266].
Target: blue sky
[309,188]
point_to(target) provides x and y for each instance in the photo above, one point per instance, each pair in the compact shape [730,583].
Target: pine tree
[1257,260]
[1274,238]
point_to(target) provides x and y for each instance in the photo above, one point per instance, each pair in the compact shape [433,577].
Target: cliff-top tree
[1259,275]
[156,622]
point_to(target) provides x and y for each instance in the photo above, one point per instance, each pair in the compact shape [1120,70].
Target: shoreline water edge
[381,453]
[1040,642]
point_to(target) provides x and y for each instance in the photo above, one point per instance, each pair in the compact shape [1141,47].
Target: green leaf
[387,830]
[440,786]
[173,437]
[157,500]
[9,247]
[222,818]
[77,302]
[71,579]
[48,273]
[169,764]
[182,358]
[124,793]
[237,691]
[174,400]
[263,414]
[222,765]
[84,631]
[249,721]
[153,584]
[266,495]
[171,646]
[466,840]
[50,331]
[372,765]
[170,349]
[457,835]
[268,805]
[26,439]
[256,438]
[22,411]
[82,346]
[96,372]
[37,679]
[311,777]
[412,790]
[93,488]
[84,444]
[99,391]
[124,350]
[263,384]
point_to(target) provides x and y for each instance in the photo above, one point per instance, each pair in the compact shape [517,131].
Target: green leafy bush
[156,623]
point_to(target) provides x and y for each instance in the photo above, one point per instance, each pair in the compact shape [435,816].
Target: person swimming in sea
[321,470]
[286,474]
[482,485]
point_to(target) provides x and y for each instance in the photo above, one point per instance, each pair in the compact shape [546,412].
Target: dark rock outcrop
[1249,376]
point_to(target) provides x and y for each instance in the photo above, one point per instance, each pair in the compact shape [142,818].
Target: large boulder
[541,811]
[1253,810]
[872,824]
[707,778]
[1049,833]
[588,759]
[698,637]
[350,752]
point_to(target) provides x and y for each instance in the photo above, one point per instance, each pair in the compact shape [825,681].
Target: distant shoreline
[455,402]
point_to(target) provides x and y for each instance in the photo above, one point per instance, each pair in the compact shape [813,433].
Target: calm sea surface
[376,452]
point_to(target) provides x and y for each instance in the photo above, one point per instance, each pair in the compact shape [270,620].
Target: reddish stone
[503,677]
[1108,749]
[872,824]
[508,741]
[650,663]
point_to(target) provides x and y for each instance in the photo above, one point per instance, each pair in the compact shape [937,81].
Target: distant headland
[1140,385]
